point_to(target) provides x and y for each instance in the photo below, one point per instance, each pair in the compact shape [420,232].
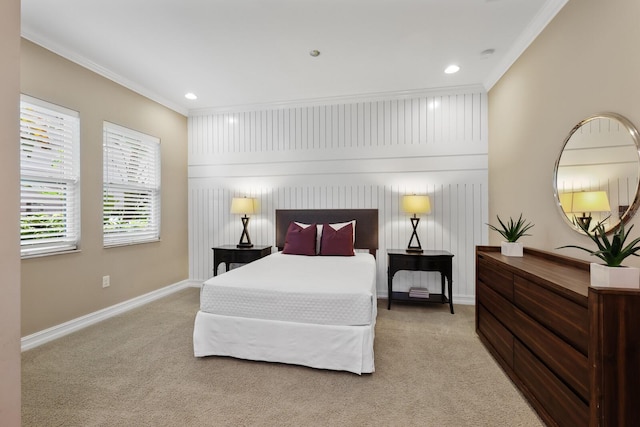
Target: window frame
[117,160]
[60,127]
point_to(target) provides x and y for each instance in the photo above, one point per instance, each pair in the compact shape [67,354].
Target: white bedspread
[293,288]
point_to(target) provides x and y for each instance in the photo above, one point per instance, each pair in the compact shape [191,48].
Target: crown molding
[343,99]
[104,72]
[533,30]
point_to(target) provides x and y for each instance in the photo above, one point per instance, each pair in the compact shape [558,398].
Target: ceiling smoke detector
[487,53]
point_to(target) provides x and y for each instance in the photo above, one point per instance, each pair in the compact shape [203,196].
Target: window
[131,186]
[49,178]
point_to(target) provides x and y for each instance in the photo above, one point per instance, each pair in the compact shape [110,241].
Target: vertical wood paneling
[422,117]
[402,122]
[459,201]
[415,121]
[354,131]
[212,224]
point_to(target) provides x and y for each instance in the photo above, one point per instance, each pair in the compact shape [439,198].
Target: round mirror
[596,176]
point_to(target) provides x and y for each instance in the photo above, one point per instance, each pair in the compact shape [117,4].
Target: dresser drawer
[565,361]
[498,336]
[497,305]
[565,318]
[500,281]
[558,401]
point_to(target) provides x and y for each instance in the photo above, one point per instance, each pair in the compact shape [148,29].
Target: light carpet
[138,369]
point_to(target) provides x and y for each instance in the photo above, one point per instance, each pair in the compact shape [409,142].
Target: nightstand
[228,254]
[400,259]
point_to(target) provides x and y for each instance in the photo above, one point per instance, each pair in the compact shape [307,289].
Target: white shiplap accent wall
[347,154]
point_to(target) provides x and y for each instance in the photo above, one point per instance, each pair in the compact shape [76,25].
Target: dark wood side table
[228,254]
[400,259]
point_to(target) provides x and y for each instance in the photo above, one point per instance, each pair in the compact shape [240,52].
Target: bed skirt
[340,348]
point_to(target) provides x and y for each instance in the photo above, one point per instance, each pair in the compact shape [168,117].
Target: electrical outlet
[106,281]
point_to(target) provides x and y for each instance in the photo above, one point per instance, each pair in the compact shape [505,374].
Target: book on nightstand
[419,293]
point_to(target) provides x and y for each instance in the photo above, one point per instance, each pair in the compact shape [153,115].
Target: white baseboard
[464,300]
[457,299]
[50,334]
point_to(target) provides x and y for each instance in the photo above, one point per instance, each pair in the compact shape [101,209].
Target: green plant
[613,251]
[512,231]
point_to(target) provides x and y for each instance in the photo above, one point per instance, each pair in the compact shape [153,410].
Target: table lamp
[415,205]
[566,201]
[588,202]
[244,206]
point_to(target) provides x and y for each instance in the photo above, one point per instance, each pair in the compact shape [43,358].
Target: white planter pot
[511,248]
[614,277]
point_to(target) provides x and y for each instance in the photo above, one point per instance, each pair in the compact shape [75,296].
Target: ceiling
[235,53]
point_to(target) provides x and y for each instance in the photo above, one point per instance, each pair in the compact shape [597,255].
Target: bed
[315,311]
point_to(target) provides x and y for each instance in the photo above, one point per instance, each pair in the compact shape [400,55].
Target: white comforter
[293,288]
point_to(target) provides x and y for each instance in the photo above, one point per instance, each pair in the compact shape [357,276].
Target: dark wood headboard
[366,223]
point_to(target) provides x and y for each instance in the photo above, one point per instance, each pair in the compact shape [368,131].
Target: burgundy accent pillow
[300,241]
[337,242]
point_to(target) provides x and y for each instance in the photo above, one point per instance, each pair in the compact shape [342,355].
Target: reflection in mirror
[597,173]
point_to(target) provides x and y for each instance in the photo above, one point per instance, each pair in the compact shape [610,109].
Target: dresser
[573,350]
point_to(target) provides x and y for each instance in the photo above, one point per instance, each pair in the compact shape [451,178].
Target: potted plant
[512,231]
[613,252]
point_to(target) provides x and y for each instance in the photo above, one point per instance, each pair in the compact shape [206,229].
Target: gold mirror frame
[602,145]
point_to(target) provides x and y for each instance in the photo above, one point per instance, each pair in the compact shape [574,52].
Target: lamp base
[245,240]
[584,220]
[414,248]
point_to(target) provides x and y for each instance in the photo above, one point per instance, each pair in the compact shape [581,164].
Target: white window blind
[49,177]
[131,186]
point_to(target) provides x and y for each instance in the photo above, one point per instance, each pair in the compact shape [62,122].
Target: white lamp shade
[591,201]
[566,201]
[416,204]
[243,205]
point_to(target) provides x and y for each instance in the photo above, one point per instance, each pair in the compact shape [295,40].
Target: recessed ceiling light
[452,69]
[314,53]
[192,96]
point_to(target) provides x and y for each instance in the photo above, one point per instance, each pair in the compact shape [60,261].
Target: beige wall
[59,288]
[583,63]
[10,196]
